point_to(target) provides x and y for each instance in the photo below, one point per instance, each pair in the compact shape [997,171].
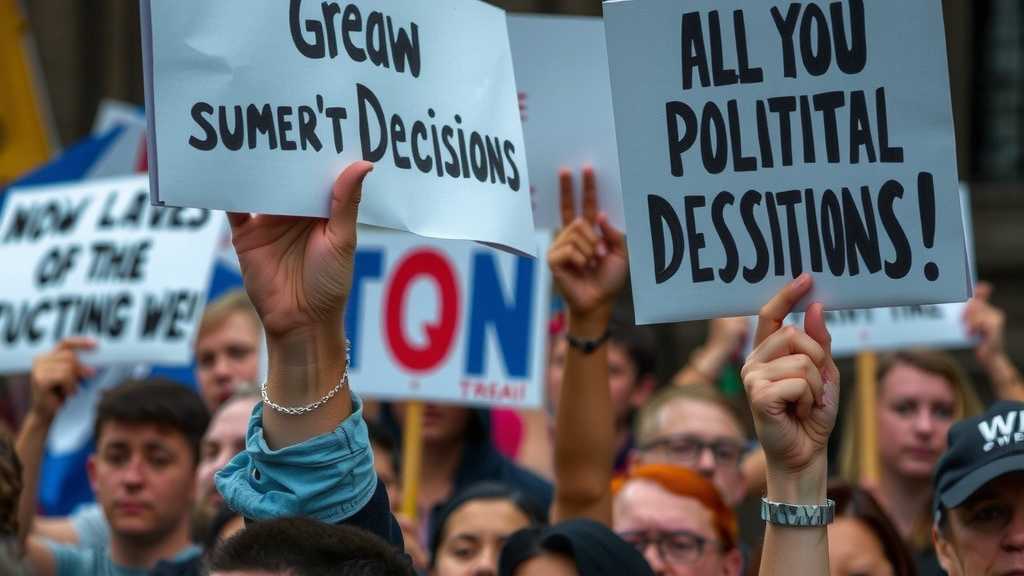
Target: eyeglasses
[687,449]
[680,547]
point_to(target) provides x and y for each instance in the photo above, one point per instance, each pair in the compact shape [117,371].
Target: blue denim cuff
[329,477]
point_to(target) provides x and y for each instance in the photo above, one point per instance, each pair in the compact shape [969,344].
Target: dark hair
[381,437]
[639,343]
[307,547]
[593,548]
[156,401]
[10,487]
[857,503]
[534,512]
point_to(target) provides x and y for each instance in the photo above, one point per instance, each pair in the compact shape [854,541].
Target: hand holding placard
[56,374]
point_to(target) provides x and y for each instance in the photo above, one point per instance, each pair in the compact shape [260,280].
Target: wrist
[805,486]
[589,325]
[38,420]
[305,363]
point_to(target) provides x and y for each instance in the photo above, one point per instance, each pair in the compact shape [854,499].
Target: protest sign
[761,140]
[25,134]
[261,113]
[447,321]
[95,259]
[562,76]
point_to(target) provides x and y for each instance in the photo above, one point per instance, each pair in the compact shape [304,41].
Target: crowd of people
[621,474]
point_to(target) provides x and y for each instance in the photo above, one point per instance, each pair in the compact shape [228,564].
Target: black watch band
[588,346]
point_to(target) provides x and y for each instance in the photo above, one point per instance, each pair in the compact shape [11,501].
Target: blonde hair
[965,405]
[227,305]
[647,419]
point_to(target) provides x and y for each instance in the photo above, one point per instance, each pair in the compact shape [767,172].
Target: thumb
[612,235]
[983,291]
[814,326]
[345,197]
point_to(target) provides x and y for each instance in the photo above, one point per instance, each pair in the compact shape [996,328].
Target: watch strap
[798,515]
[588,346]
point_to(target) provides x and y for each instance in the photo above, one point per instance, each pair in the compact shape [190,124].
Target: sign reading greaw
[260,110]
[760,140]
[95,259]
[447,321]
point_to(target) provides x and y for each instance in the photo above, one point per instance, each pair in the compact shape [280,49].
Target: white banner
[760,140]
[259,110]
[447,321]
[95,259]
[562,77]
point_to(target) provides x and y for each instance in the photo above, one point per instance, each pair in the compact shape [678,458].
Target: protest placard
[761,140]
[260,110]
[95,259]
[447,321]
[562,76]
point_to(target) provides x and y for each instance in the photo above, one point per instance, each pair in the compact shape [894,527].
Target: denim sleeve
[329,477]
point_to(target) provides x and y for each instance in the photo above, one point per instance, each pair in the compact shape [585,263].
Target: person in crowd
[863,541]
[695,426]
[676,518]
[792,385]
[988,322]
[386,462]
[469,532]
[148,434]
[921,393]
[978,503]
[288,546]
[228,348]
[578,547]
[10,491]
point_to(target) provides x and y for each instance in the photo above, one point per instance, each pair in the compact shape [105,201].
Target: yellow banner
[24,139]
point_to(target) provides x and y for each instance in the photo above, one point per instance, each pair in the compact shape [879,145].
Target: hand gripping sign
[760,140]
[257,109]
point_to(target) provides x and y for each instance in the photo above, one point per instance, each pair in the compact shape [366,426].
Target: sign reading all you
[97,260]
[260,113]
[758,141]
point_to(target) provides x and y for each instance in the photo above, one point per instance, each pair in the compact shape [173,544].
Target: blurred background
[88,50]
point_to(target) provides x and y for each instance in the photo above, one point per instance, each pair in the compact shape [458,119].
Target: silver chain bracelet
[300,410]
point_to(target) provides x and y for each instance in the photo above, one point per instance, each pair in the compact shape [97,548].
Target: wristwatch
[588,346]
[798,515]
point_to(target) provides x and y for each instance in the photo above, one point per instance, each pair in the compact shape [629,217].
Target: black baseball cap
[980,450]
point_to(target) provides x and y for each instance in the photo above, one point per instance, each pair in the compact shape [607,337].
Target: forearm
[1007,383]
[585,431]
[303,367]
[30,446]
[783,545]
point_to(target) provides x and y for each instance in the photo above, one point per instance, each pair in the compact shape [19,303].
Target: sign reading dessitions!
[447,321]
[760,140]
[95,259]
[258,107]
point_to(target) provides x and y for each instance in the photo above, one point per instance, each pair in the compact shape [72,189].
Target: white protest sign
[760,140]
[95,259]
[259,110]
[562,77]
[447,321]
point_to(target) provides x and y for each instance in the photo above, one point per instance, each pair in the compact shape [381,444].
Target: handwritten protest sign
[447,321]
[761,140]
[96,259]
[562,77]
[259,110]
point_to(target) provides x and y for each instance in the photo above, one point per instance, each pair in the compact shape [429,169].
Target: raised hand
[56,375]
[793,387]
[588,257]
[298,271]
[986,321]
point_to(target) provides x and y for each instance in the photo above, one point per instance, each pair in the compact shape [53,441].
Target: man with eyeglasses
[677,520]
[695,427]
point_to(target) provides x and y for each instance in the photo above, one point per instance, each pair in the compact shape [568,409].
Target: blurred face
[474,536]
[144,478]
[226,355]
[854,550]
[443,424]
[547,565]
[622,378]
[224,438]
[701,436]
[986,533]
[675,534]
[915,411]
[385,468]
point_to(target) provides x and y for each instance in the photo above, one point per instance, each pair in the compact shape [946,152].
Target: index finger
[566,201]
[76,343]
[772,314]
[589,195]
